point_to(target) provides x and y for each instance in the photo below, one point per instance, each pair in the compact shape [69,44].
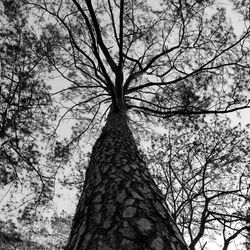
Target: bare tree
[203,171]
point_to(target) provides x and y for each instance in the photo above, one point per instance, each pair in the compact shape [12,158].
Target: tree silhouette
[25,105]
[203,170]
[135,61]
[165,62]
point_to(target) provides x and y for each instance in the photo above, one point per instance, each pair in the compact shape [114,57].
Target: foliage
[203,170]
[170,58]
[25,116]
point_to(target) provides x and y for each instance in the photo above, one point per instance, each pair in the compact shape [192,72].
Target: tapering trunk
[121,206]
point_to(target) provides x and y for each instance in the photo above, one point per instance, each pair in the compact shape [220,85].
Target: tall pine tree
[138,61]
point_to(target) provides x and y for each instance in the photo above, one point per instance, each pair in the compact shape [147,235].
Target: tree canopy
[204,174]
[24,103]
[163,59]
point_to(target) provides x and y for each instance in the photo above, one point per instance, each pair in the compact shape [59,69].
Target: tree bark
[121,207]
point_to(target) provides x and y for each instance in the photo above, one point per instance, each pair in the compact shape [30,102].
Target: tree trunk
[121,206]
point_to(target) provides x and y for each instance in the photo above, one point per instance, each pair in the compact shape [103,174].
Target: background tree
[203,171]
[152,62]
[25,108]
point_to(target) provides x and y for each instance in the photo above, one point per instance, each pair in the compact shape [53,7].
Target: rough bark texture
[121,206]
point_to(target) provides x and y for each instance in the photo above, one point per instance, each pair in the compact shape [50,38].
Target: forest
[124,124]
